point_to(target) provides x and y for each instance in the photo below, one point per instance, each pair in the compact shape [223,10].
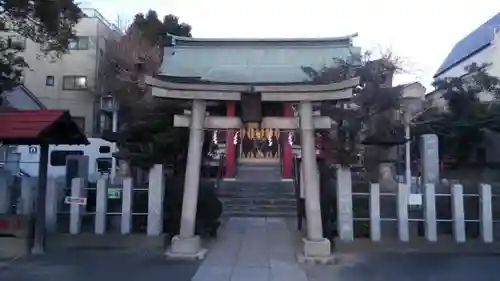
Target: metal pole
[114,128]
[407,120]
[407,156]
[39,235]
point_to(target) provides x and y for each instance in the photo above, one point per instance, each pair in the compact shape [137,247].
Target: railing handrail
[94,13]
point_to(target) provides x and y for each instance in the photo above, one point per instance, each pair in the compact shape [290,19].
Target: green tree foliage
[48,23]
[368,118]
[155,31]
[461,128]
[148,138]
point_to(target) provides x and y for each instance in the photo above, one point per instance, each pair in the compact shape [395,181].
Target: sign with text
[114,193]
[75,200]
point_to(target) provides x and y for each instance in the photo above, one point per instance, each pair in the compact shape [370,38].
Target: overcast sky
[422,32]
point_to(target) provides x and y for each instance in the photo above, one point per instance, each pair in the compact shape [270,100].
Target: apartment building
[71,82]
[481,46]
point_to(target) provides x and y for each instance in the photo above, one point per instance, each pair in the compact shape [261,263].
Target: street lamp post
[114,128]
[407,117]
[109,104]
[413,97]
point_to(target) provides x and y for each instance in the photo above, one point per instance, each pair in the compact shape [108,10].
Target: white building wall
[80,103]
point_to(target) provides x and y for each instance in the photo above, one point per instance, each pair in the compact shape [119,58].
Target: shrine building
[258,101]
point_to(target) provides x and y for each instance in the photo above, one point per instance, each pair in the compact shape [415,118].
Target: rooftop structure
[473,43]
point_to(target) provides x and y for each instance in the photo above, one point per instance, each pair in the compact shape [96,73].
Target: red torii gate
[43,128]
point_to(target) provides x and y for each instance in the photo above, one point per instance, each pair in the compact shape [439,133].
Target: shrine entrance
[259,143]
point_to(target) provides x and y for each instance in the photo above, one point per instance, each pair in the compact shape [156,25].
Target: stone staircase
[258,191]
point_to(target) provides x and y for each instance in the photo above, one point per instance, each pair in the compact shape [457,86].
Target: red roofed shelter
[43,128]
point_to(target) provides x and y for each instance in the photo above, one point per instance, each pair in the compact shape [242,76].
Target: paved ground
[252,249]
[86,265]
[410,267]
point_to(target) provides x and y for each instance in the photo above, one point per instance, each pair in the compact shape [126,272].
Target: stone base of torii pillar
[186,248]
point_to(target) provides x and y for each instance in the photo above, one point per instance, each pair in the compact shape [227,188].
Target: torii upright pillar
[316,247]
[188,245]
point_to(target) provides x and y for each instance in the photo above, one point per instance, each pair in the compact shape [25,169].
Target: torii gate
[186,244]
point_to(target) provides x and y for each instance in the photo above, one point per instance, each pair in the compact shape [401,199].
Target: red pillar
[230,146]
[287,148]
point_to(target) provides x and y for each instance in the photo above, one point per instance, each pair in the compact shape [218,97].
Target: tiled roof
[27,126]
[252,61]
[472,43]
[185,41]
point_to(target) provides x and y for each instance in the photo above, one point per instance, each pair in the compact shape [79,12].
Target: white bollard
[76,210]
[457,212]
[101,206]
[486,213]
[430,212]
[344,204]
[5,204]
[126,223]
[375,227]
[27,199]
[52,203]
[402,202]
[156,191]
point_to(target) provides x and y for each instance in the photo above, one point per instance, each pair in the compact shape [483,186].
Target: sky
[422,33]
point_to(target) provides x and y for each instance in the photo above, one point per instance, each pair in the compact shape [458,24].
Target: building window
[49,80]
[79,43]
[104,149]
[80,121]
[104,164]
[74,82]
[58,157]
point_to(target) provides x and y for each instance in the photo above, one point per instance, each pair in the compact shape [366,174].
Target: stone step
[258,189]
[252,184]
[260,172]
[259,195]
[259,201]
[254,195]
[251,208]
[258,214]
[262,177]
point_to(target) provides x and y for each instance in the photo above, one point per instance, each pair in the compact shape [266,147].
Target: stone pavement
[257,249]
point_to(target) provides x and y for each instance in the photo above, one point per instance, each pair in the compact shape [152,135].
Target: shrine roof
[183,41]
[29,127]
[253,61]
